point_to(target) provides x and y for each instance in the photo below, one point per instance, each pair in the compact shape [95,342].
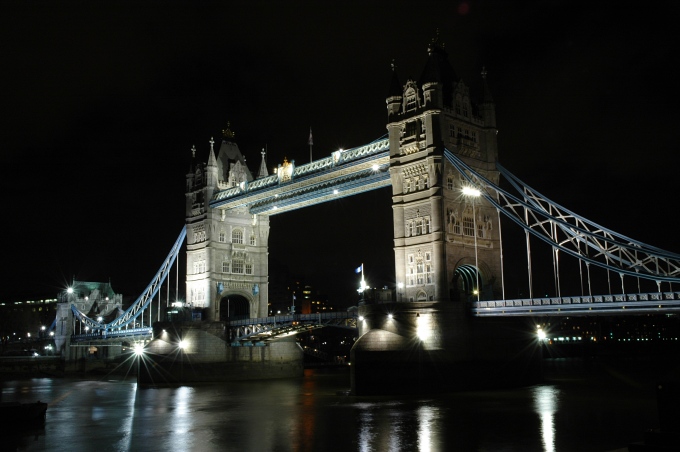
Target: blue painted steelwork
[137,308]
[136,333]
[263,194]
[343,184]
[581,238]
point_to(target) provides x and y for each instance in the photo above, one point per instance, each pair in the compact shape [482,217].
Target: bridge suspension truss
[569,233]
[120,324]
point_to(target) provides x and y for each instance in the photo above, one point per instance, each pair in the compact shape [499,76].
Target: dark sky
[102,102]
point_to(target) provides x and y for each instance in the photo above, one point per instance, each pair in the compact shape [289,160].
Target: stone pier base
[430,347]
[208,357]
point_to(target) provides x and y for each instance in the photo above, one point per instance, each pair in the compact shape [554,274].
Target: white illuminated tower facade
[446,242]
[227,266]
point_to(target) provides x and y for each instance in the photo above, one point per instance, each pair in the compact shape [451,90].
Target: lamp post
[473,194]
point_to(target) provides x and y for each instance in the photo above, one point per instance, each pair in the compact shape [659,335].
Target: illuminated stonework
[433,216]
[226,248]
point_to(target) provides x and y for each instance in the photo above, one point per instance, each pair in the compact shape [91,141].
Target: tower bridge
[440,160]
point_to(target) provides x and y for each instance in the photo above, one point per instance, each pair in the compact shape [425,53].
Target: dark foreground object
[667,437]
[23,414]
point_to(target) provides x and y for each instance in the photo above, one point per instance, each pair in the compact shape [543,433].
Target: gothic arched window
[468,226]
[237,236]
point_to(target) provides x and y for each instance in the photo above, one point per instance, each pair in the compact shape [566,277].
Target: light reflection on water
[308,415]
[426,416]
[546,399]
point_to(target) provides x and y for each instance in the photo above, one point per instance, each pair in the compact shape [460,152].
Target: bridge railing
[336,159]
[294,318]
[104,334]
[584,305]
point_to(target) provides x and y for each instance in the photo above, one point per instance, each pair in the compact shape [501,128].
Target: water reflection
[546,404]
[125,429]
[366,435]
[309,415]
[426,415]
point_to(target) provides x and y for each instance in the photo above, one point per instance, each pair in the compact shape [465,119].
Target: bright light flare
[423,329]
[541,334]
[375,167]
[139,349]
[183,344]
[471,191]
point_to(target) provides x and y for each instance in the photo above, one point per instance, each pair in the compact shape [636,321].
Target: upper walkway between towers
[344,173]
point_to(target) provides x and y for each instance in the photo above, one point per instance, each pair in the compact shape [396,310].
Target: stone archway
[234,307]
[467,280]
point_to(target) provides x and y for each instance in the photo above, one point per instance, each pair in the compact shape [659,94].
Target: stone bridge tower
[442,236]
[447,250]
[226,250]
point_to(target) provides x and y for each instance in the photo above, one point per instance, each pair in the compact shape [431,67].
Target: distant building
[94,299]
[25,320]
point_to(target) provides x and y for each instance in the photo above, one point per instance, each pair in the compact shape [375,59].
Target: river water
[576,409]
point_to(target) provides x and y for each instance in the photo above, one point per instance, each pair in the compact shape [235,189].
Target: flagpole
[311,143]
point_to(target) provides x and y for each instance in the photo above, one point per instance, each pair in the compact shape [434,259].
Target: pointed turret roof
[396,89]
[437,68]
[263,167]
[487,98]
[211,158]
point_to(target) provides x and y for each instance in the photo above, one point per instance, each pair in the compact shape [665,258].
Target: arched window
[449,182]
[237,236]
[252,240]
[468,226]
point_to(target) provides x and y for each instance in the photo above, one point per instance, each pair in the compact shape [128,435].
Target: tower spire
[263,166]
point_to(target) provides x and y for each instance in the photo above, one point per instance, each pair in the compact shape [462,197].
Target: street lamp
[474,193]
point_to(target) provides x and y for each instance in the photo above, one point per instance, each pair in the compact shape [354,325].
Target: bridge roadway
[266,329]
[622,304]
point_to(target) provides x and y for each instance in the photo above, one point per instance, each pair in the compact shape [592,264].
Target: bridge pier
[200,352]
[431,347]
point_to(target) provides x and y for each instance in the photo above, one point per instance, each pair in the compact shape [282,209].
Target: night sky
[102,103]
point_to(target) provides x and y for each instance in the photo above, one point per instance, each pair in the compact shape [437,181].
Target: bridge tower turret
[447,244]
[226,249]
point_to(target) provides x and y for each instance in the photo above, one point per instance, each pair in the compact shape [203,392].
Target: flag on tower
[359,269]
[310,141]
